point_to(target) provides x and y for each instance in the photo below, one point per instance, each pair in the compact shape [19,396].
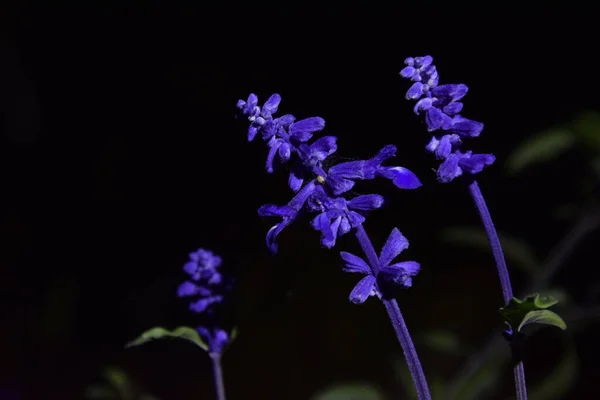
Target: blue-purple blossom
[382,279]
[206,283]
[287,137]
[337,216]
[216,338]
[442,106]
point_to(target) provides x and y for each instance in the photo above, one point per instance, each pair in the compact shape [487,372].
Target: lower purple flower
[383,279]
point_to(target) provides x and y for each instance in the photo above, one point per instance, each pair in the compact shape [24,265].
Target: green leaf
[531,310]
[542,147]
[443,341]
[350,391]
[516,251]
[544,317]
[558,383]
[586,126]
[182,332]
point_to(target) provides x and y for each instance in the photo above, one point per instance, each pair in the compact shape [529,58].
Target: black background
[121,153]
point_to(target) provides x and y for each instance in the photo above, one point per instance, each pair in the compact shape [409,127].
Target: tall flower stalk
[441,107]
[209,289]
[322,188]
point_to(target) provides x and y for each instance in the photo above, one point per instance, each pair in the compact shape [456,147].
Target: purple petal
[401,177]
[322,148]
[408,72]
[331,234]
[423,105]
[296,178]
[271,238]
[252,131]
[274,146]
[284,152]
[449,169]
[363,289]
[395,244]
[345,227]
[218,342]
[303,129]
[412,268]
[475,163]
[453,108]
[349,170]
[191,268]
[187,289]
[436,119]
[366,202]
[337,184]
[270,106]
[400,273]
[451,92]
[201,305]
[355,263]
[466,127]
[415,91]
[355,219]
[423,62]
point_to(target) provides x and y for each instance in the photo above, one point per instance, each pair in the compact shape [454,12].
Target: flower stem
[218,371]
[507,292]
[397,320]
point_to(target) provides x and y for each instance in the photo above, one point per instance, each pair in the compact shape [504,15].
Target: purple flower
[337,216]
[216,339]
[442,106]
[207,284]
[319,184]
[384,278]
[341,177]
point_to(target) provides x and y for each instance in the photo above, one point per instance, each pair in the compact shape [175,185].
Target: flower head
[383,279]
[442,106]
[206,283]
[209,289]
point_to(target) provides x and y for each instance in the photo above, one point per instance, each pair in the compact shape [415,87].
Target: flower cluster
[321,190]
[442,106]
[318,190]
[209,288]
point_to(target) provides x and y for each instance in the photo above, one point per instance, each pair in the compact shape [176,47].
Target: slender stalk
[218,372]
[391,306]
[507,292]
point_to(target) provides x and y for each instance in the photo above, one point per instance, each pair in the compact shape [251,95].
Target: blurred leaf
[182,332]
[101,392]
[515,250]
[438,388]
[532,309]
[443,341]
[119,380]
[558,383]
[482,380]
[539,148]
[544,317]
[350,391]
[586,126]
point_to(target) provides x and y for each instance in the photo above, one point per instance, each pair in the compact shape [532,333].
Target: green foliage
[444,341]
[516,251]
[350,391]
[542,147]
[182,332]
[118,386]
[531,310]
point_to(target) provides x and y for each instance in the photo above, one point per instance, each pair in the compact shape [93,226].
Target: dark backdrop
[121,153]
